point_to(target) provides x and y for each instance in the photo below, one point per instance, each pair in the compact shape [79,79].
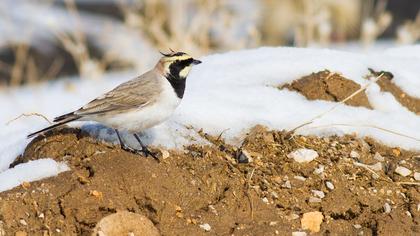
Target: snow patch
[30,171]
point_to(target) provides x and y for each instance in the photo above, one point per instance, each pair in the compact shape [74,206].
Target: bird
[138,104]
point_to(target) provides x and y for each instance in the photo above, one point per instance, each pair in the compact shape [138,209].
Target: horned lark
[137,104]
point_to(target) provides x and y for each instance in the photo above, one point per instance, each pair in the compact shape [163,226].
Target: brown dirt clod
[329,86]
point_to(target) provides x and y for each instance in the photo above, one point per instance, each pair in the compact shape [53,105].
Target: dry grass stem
[27,115]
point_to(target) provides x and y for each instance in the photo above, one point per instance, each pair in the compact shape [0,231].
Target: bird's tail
[61,120]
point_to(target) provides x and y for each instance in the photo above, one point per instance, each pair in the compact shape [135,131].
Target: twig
[251,204]
[221,133]
[26,115]
[366,167]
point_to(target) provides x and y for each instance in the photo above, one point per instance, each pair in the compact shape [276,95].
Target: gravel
[303,155]
[205,227]
[402,171]
[329,185]
[387,208]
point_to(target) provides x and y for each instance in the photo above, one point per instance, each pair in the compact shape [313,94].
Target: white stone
[314,200]
[387,208]
[299,233]
[417,176]
[354,154]
[319,170]
[206,227]
[292,216]
[265,200]
[376,167]
[287,184]
[378,157]
[318,193]
[402,171]
[303,155]
[298,177]
[23,222]
[357,226]
[329,185]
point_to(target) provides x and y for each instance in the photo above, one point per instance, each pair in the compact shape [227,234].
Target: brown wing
[129,95]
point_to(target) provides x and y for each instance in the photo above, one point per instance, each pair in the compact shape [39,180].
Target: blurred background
[43,40]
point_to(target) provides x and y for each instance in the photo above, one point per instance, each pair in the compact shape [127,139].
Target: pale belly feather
[144,117]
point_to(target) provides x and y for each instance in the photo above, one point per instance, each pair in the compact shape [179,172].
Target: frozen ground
[230,93]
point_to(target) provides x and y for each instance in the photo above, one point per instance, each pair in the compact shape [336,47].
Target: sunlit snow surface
[232,92]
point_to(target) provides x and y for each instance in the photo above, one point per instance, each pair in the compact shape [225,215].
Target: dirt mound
[325,85]
[204,190]
[386,84]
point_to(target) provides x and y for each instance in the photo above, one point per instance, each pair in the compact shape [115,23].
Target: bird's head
[176,65]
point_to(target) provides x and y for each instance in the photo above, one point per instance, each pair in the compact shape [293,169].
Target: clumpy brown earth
[352,183]
[205,184]
[326,85]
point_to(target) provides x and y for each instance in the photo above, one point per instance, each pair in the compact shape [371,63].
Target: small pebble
[41,216]
[354,154]
[275,195]
[298,177]
[287,184]
[318,193]
[329,185]
[376,167]
[402,171]
[378,157]
[357,226]
[315,200]
[303,155]
[387,208]
[23,222]
[165,153]
[244,157]
[265,200]
[417,176]
[319,170]
[312,221]
[205,227]
[299,233]
[292,216]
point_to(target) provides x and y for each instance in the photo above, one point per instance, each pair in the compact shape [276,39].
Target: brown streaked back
[138,92]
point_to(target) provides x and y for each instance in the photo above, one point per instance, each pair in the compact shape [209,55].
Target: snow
[30,171]
[232,92]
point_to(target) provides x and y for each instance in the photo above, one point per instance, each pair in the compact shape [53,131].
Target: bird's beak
[196,62]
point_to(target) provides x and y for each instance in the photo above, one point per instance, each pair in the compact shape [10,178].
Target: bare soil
[205,184]
[326,85]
